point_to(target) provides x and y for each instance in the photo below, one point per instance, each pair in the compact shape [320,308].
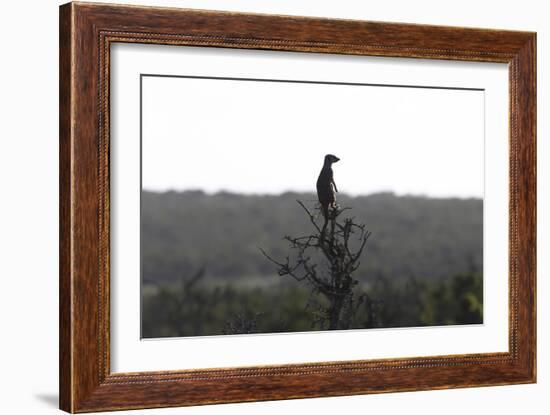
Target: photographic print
[272,206]
[258,207]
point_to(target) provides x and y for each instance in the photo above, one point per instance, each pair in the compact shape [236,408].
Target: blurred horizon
[309,192]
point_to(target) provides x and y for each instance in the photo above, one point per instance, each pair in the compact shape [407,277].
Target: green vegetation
[203,309]
[204,274]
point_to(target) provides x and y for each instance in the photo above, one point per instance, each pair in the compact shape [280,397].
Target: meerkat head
[330,158]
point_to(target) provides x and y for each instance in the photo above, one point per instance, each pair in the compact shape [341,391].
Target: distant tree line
[412,236]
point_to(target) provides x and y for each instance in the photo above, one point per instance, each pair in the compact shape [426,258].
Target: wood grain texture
[65,138]
[86,33]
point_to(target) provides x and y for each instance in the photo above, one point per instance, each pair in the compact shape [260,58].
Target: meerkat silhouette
[326,187]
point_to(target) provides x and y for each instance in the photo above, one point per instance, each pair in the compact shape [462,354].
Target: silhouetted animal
[326,188]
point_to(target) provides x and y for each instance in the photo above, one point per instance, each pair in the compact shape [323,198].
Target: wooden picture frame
[86,33]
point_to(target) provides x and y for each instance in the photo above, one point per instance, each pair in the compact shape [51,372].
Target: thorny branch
[333,242]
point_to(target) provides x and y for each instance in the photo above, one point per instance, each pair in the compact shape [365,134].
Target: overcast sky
[266,137]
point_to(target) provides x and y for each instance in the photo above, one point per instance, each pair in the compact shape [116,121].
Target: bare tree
[326,260]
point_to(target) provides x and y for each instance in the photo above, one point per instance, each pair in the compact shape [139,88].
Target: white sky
[271,137]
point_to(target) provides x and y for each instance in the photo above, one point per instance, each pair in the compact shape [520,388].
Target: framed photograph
[259,207]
